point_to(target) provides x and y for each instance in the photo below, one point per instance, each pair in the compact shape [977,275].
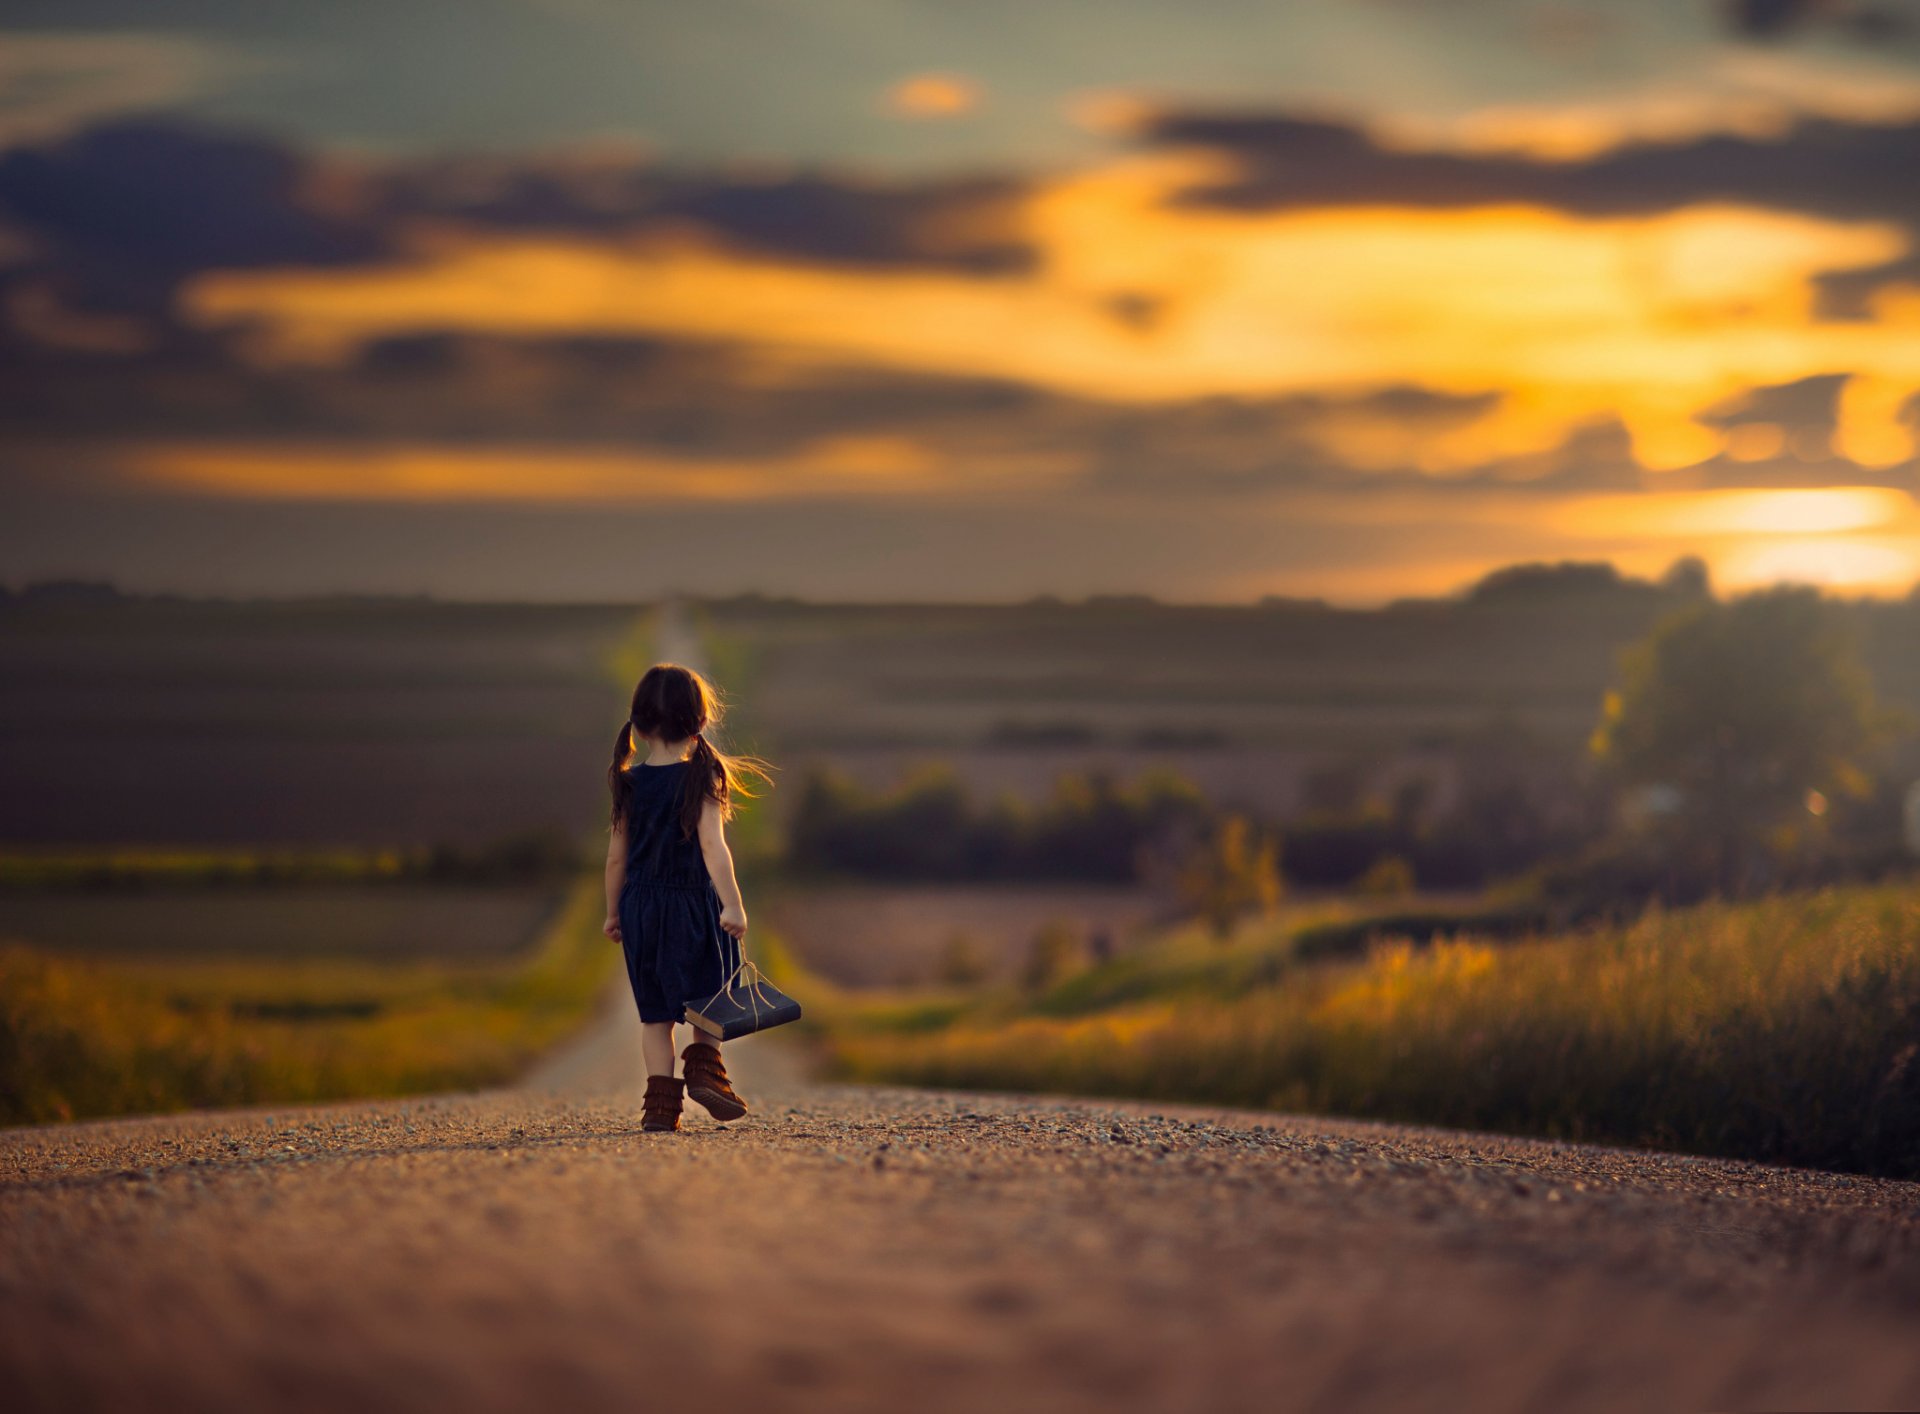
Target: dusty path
[867,1250]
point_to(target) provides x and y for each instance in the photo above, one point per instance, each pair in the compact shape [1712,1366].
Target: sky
[565,299]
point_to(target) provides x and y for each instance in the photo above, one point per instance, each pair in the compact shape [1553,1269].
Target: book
[746,1005]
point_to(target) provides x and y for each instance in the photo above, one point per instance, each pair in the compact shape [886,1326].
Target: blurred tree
[1740,709]
[1688,578]
[1231,874]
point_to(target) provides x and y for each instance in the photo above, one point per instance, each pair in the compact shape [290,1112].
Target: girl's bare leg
[656,1046]
[694,1033]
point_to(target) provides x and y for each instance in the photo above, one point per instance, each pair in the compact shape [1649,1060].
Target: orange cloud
[426,472]
[1727,90]
[933,96]
[1648,318]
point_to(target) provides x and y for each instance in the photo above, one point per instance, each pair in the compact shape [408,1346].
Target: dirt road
[855,1249]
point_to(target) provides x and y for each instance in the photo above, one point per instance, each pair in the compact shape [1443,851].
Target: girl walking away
[673,903]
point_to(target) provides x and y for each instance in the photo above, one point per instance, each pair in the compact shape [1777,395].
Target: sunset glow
[833,467]
[1651,320]
[1354,317]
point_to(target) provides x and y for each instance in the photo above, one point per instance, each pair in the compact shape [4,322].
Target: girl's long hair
[672,703]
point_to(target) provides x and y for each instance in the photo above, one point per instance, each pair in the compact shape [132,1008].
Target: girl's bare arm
[713,848]
[616,878]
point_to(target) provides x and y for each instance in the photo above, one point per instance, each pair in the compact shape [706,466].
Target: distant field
[394,922]
[1250,703]
[1244,701]
[318,722]
[1266,780]
[861,936]
[1133,677]
[881,936]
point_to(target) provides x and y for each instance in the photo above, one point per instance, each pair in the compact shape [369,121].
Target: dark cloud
[115,219]
[1848,294]
[698,400]
[968,224]
[1806,404]
[1594,456]
[1230,444]
[1824,167]
[123,212]
[1772,19]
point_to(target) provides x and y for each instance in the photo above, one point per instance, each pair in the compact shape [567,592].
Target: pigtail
[617,781]
[714,775]
[706,779]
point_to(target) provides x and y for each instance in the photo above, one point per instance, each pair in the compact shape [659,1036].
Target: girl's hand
[612,927]
[734,920]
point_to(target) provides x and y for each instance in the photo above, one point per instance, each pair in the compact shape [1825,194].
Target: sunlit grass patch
[1785,1030]
[97,1038]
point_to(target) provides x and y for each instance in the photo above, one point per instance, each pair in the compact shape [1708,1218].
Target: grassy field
[1786,1030]
[81,1038]
[173,975]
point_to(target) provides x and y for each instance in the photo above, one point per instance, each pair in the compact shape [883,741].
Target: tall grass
[92,1038]
[1785,1030]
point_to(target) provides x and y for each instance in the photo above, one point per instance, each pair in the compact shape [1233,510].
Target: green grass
[1786,1030]
[80,1039]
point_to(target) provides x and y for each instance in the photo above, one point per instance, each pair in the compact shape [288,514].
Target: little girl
[673,904]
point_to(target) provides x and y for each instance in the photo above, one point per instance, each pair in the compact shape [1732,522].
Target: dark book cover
[742,1009]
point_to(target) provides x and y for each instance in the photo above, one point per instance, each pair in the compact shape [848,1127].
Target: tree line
[1741,747]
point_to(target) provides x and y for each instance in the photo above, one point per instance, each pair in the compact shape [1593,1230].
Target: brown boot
[661,1108]
[707,1082]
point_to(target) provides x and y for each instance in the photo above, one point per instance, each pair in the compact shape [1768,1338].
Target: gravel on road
[869,1249]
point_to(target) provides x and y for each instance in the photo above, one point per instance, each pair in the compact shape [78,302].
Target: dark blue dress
[670,929]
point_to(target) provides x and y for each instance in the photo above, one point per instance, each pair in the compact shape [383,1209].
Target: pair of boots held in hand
[704,1082]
